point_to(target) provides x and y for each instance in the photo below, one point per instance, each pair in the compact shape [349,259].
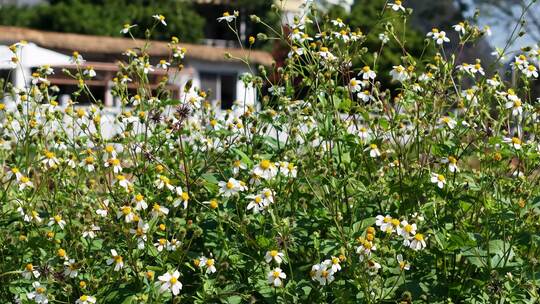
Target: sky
[502,28]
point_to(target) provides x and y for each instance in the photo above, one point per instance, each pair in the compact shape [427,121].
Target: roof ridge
[116,45]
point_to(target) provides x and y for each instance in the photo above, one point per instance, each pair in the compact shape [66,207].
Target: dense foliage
[103,17]
[353,194]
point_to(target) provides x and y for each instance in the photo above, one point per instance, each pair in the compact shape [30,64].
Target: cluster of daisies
[146,208]
[265,171]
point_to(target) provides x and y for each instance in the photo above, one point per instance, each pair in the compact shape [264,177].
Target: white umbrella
[31,56]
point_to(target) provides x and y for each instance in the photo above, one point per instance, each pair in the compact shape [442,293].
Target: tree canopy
[102,17]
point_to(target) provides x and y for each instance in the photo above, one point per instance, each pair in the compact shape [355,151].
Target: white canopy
[31,56]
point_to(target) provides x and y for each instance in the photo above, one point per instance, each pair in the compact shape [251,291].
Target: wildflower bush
[329,189]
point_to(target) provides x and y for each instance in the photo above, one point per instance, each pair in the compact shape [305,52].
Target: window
[5,76]
[220,88]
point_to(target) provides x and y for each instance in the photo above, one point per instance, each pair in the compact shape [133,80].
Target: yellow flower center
[230,185]
[29,267]
[408,228]
[273,253]
[164,179]
[185,196]
[173,280]
[126,210]
[40,290]
[419,237]
[213,204]
[276,274]
[265,164]
[516,141]
[441,178]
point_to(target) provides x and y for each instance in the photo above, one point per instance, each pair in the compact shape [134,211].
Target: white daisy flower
[208,263]
[403,265]
[57,219]
[85,299]
[274,255]
[338,22]
[160,19]
[158,210]
[355,85]
[276,277]
[438,179]
[230,187]
[39,294]
[397,6]
[116,259]
[126,28]
[70,268]
[321,274]
[367,73]
[418,242]
[30,272]
[515,142]
[169,282]
[460,28]
[448,121]
[227,17]
[399,73]
[373,150]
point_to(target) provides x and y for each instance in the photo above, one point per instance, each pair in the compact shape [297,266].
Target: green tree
[106,17]
[371,17]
